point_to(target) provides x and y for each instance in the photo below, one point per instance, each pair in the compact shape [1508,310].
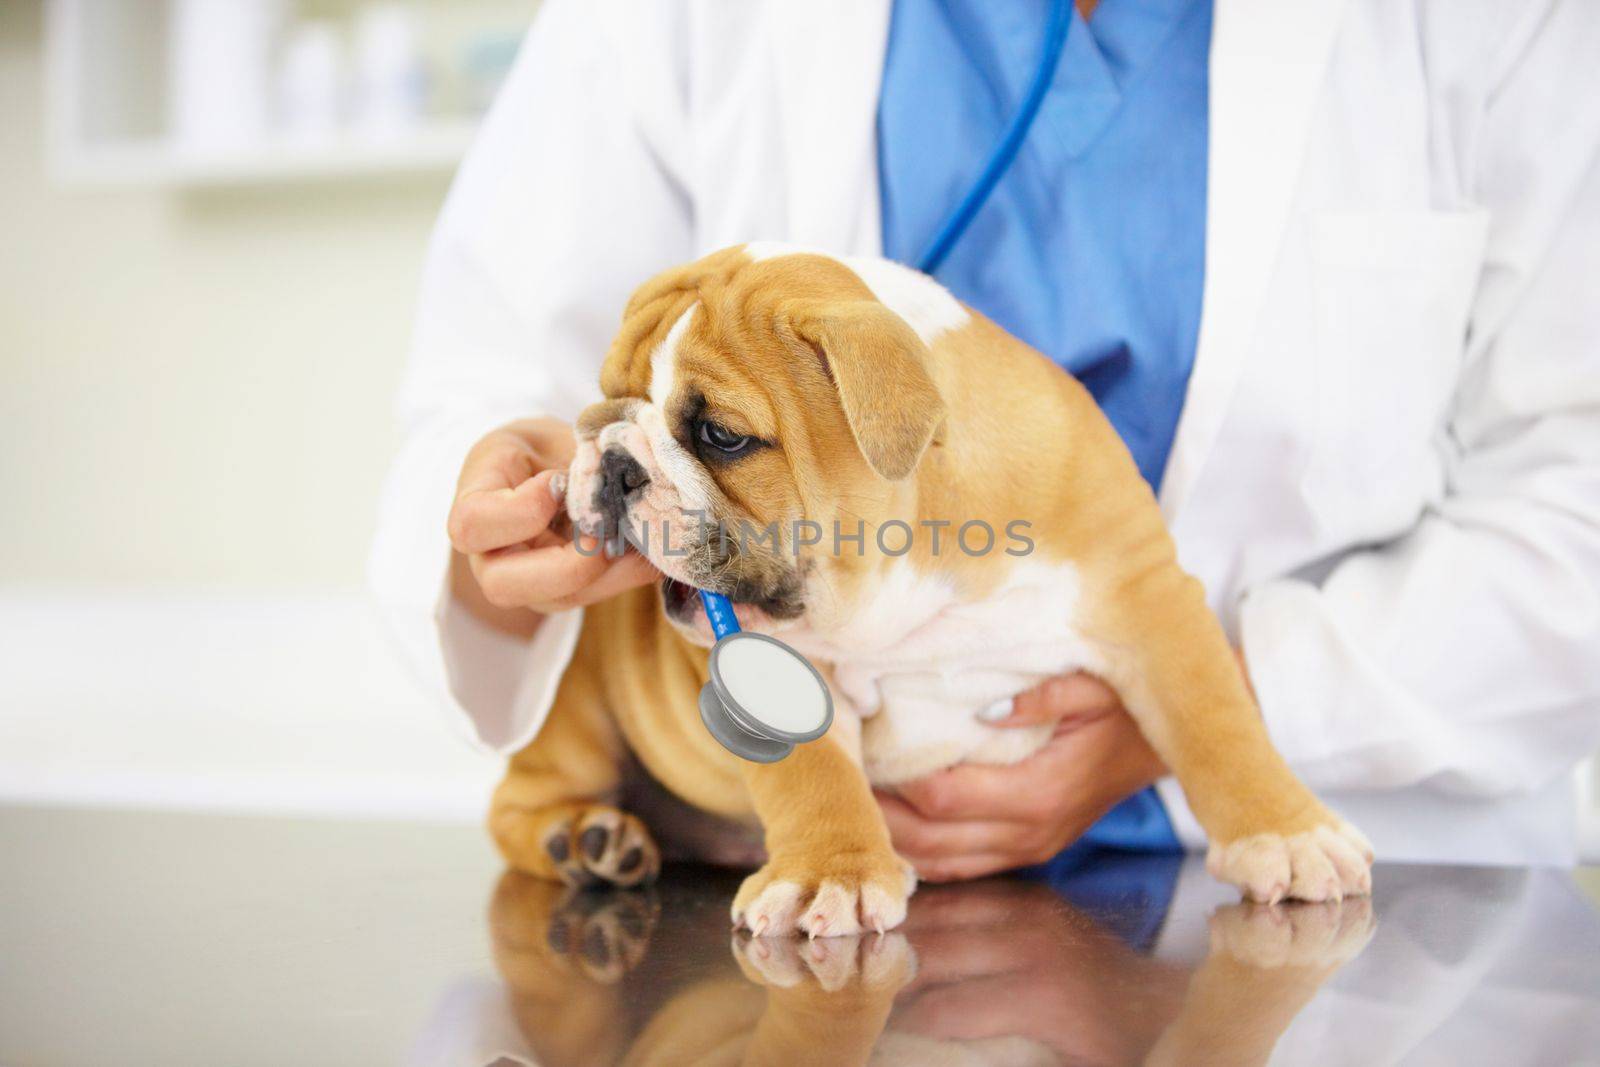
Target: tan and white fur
[875,398]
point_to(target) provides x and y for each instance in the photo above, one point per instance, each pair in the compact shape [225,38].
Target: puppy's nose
[620,477]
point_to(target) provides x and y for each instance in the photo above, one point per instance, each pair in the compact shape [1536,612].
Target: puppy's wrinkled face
[750,406]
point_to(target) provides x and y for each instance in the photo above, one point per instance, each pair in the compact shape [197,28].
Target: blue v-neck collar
[1098,65]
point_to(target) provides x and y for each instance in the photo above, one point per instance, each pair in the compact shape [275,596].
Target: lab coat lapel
[1268,59]
[829,65]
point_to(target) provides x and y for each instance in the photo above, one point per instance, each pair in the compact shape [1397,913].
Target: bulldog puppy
[825,441]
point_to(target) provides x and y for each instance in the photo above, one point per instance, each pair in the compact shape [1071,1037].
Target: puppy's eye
[722,440]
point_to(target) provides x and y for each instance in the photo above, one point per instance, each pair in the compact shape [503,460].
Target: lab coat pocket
[1392,293]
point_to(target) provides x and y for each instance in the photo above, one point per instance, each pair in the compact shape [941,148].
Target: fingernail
[1000,709]
[558,486]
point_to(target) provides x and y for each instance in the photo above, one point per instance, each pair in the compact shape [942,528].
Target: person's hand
[514,557]
[973,819]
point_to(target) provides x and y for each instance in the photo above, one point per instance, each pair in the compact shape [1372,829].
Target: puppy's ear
[880,367]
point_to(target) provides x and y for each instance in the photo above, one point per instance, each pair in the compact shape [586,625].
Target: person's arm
[569,197]
[1466,655]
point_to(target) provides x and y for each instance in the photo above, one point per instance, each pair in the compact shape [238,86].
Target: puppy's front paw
[1329,862]
[827,893]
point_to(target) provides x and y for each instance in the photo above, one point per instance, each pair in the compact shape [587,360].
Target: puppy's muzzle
[621,479]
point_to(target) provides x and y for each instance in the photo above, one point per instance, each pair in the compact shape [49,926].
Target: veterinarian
[1328,266]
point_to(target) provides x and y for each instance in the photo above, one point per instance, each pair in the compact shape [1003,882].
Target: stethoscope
[764,697]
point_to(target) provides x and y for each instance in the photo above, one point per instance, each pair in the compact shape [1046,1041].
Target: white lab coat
[1387,471]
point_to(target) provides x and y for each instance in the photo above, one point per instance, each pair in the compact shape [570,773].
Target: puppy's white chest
[919,665]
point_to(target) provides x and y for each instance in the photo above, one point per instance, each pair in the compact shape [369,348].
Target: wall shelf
[111,97]
[432,149]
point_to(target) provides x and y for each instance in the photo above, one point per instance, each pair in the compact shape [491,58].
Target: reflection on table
[1110,960]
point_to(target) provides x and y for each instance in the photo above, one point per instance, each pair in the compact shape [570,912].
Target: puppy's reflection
[999,972]
[1264,966]
[595,978]
[1011,973]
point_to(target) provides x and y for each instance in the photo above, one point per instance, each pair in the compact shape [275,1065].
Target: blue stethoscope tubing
[1005,153]
[718,608]
[719,613]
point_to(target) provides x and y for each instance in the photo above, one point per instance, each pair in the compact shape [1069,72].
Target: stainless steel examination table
[135,939]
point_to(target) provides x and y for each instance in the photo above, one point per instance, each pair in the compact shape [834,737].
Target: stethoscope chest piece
[763,698]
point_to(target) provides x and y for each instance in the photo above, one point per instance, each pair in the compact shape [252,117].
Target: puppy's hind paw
[606,935]
[543,931]
[579,844]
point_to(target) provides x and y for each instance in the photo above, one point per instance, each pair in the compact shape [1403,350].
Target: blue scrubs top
[1092,247]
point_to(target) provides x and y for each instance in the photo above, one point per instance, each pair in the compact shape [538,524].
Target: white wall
[196,387]
[194,421]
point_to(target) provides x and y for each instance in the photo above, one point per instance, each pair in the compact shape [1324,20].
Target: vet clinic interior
[239,825]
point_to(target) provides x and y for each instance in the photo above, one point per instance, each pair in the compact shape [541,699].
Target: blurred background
[214,216]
